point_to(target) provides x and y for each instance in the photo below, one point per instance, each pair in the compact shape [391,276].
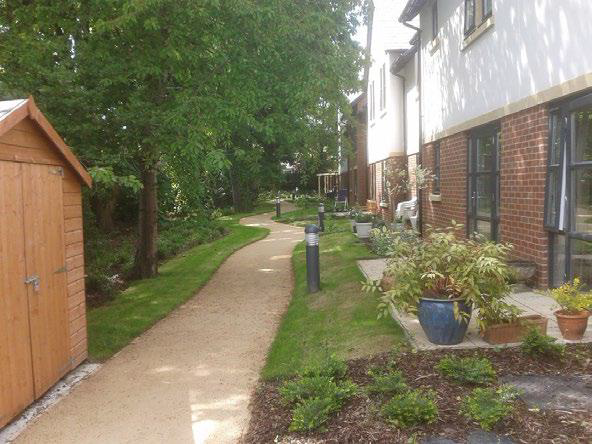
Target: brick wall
[523,158]
[390,166]
[412,160]
[453,182]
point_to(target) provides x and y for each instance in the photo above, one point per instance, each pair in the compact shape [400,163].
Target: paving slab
[529,301]
[554,392]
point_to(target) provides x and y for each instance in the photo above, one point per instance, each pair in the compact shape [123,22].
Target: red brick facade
[390,165]
[523,155]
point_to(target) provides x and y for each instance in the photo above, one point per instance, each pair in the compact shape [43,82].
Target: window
[435,20]
[470,13]
[436,184]
[383,87]
[555,172]
[372,182]
[487,6]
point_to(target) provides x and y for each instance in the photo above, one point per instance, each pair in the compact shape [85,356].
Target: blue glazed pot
[436,317]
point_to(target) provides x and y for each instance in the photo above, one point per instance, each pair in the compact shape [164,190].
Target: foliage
[313,201]
[383,239]
[330,366]
[473,370]
[411,408]
[312,413]
[400,183]
[537,344]
[389,382]
[443,265]
[487,406]
[571,297]
[364,218]
[307,387]
[355,211]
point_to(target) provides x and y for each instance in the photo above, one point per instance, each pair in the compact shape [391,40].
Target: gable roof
[14,111]
[411,10]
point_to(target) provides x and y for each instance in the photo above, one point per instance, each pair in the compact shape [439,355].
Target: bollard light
[313,275]
[322,216]
[278,209]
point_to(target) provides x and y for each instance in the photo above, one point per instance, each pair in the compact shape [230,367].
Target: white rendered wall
[532,46]
[411,107]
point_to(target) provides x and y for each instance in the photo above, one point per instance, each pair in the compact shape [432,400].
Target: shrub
[329,366]
[364,218]
[390,382]
[411,408]
[487,406]
[571,297]
[537,344]
[312,413]
[383,239]
[471,369]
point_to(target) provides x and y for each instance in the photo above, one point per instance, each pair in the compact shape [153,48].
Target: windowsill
[372,124]
[435,197]
[477,32]
[434,45]
[382,115]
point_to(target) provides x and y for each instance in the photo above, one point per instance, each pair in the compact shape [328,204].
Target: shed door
[16,371]
[45,259]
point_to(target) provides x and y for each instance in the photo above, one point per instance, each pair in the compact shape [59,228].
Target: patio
[526,299]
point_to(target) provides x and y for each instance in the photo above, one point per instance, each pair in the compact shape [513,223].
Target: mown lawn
[113,325]
[339,319]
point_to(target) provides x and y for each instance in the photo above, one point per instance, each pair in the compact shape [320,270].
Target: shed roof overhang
[14,111]
[411,10]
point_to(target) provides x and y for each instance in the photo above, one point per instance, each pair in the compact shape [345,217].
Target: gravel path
[189,378]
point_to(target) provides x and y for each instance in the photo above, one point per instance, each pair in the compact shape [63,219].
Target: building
[506,125]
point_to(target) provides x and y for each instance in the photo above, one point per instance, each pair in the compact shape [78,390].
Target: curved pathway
[188,379]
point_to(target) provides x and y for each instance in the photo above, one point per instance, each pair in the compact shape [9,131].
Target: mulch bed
[360,420]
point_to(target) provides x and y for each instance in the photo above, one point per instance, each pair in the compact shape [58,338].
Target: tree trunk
[104,206]
[146,260]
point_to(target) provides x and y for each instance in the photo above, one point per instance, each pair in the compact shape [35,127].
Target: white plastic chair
[407,210]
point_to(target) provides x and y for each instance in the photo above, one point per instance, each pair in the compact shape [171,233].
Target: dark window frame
[435,24]
[558,168]
[437,182]
[486,14]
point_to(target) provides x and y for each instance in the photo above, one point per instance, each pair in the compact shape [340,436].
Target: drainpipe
[418,75]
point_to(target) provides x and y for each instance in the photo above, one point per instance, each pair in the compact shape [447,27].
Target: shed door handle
[35,280]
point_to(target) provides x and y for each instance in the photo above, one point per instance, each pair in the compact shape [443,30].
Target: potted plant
[573,315]
[353,213]
[442,278]
[364,225]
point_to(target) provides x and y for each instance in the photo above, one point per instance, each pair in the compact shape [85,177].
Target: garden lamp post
[313,275]
[322,216]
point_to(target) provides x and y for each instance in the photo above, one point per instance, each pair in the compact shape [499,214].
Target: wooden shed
[42,299]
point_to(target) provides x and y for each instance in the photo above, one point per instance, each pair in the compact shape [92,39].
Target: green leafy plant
[364,218]
[571,297]
[383,239]
[473,370]
[389,382]
[411,408]
[537,344]
[316,387]
[312,413]
[329,366]
[487,406]
[445,266]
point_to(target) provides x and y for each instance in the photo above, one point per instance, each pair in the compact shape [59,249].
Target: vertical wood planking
[45,257]
[16,372]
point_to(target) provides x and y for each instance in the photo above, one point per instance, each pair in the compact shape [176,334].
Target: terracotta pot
[514,332]
[572,326]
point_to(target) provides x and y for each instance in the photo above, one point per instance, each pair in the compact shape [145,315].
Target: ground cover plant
[113,325]
[472,369]
[461,408]
[537,344]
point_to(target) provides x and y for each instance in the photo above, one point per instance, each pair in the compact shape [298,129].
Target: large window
[436,183]
[568,206]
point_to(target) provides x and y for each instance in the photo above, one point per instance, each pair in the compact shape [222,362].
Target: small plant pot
[515,331]
[363,230]
[353,225]
[572,326]
[436,317]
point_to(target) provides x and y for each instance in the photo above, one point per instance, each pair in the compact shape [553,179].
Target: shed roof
[14,111]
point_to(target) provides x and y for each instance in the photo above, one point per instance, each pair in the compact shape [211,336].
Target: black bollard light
[322,217]
[313,274]
[278,208]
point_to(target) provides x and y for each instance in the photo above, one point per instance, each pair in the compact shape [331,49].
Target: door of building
[483,183]
[568,209]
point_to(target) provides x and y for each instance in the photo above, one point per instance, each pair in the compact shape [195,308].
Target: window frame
[436,187]
[469,30]
[560,169]
[485,15]
[372,182]
[435,24]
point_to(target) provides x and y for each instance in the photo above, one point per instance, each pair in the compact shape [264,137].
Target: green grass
[113,325]
[339,319]
[300,214]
